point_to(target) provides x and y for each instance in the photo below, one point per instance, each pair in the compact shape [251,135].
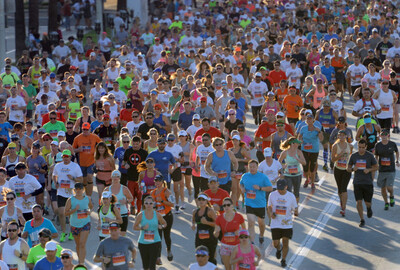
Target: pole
[99,13]
[2,34]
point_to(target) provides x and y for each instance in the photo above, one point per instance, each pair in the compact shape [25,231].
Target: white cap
[92,54]
[145,72]
[156,19]
[262,39]
[236,137]
[280,114]
[308,111]
[257,59]
[106,194]
[116,173]
[268,152]
[176,18]
[55,142]
[258,74]
[51,246]
[196,116]
[61,133]
[123,71]
[106,103]
[182,133]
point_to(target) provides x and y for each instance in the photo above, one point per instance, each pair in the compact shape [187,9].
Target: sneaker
[362,223]
[261,240]
[386,206]
[305,184]
[342,212]
[325,167]
[283,263]
[369,212]
[183,206]
[170,257]
[278,253]
[190,199]
[331,165]
[391,201]
[312,186]
[62,237]
[159,262]
[177,211]
[316,178]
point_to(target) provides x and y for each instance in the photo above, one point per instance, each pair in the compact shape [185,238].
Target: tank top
[6,218]
[385,99]
[10,259]
[193,159]
[104,170]
[23,141]
[275,107]
[161,207]
[293,166]
[276,143]
[314,59]
[337,63]
[75,112]
[81,217]
[89,120]
[248,259]
[151,149]
[224,102]
[10,166]
[159,120]
[341,163]
[63,98]
[385,76]
[149,182]
[317,98]
[204,232]
[29,135]
[112,76]
[120,196]
[3,98]
[316,77]
[35,75]
[136,103]
[185,149]
[371,137]
[306,90]
[222,166]
[327,120]
[150,235]
[239,155]
[105,226]
[45,151]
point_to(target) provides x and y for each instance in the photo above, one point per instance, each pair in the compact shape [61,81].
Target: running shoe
[369,212]
[283,263]
[342,212]
[261,240]
[62,237]
[325,167]
[170,257]
[177,211]
[70,237]
[190,199]
[278,253]
[316,178]
[362,223]
[183,206]
[386,206]
[391,201]
[312,186]
[306,184]
[159,262]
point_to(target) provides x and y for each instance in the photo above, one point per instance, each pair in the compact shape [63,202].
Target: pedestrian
[147,222]
[202,258]
[216,194]
[244,254]
[51,261]
[254,185]
[363,164]
[107,213]
[79,207]
[204,217]
[282,205]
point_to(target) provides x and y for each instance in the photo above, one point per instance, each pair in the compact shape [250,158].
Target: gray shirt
[205,112]
[118,250]
[362,162]
[94,73]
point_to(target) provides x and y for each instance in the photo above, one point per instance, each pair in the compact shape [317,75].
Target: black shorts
[28,216]
[258,212]
[29,114]
[176,175]
[124,225]
[311,161]
[363,192]
[227,187]
[53,195]
[281,233]
[61,201]
[186,171]
[292,120]
[222,118]
[98,181]
[174,121]
[354,88]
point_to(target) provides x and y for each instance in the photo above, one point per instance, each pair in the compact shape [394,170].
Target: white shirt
[272,172]
[283,206]
[104,42]
[337,105]
[120,96]
[392,52]
[192,129]
[373,81]
[386,102]
[63,51]
[257,90]
[16,115]
[40,111]
[54,86]
[83,66]
[133,128]
[23,187]
[52,96]
[358,72]
[96,95]
[202,153]
[368,107]
[294,76]
[61,171]
[208,266]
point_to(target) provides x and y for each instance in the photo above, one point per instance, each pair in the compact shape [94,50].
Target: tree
[52,14]
[34,15]
[20,34]
[121,5]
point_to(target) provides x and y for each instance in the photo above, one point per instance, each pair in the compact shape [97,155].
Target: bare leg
[285,247]
[251,221]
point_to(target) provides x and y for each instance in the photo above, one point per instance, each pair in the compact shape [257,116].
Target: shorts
[28,216]
[186,171]
[124,225]
[326,138]
[386,179]
[104,183]
[227,187]
[385,123]
[78,16]
[87,170]
[53,195]
[222,118]
[29,113]
[258,212]
[354,88]
[279,233]
[311,161]
[226,250]
[363,192]
[292,120]
[174,121]
[76,231]
[176,175]
[61,201]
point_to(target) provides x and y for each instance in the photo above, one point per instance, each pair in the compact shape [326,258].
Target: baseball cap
[66,251]
[281,184]
[36,145]
[61,133]
[341,119]
[196,116]
[123,71]
[106,116]
[86,126]
[327,102]
[106,103]
[114,225]
[159,178]
[244,232]
[66,152]
[52,75]
[182,133]
[51,246]
[45,84]
[258,74]
[280,114]
[45,232]
[212,178]
[145,72]
[236,137]
[106,194]
[203,196]
[161,140]
[79,186]
[92,54]
[268,152]
[20,165]
[12,145]
[116,173]
[203,99]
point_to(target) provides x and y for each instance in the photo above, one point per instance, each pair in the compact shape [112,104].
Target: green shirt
[31,91]
[124,84]
[172,103]
[177,24]
[53,129]
[10,79]
[37,252]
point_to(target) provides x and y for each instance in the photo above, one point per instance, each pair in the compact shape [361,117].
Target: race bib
[244,266]
[293,169]
[341,163]
[308,146]
[229,237]
[3,203]
[65,184]
[385,108]
[361,164]
[257,94]
[105,229]
[118,259]
[293,79]
[86,149]
[183,170]
[325,124]
[239,175]
[251,194]
[385,161]
[93,71]
[149,236]
[222,175]
[204,234]
[280,210]
[12,266]
[82,214]
[20,191]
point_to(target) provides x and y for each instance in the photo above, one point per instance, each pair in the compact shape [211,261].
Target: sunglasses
[99,114]
[69,127]
[203,101]
[219,144]
[226,205]
[171,140]
[53,118]
[201,199]
[243,237]
[65,257]
[46,140]
[125,141]
[10,199]
[12,230]
[149,117]
[148,203]
[135,116]
[231,114]
[200,256]
[111,97]
[150,161]
[280,125]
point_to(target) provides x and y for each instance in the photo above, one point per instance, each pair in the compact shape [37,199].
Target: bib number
[251,194]
[204,234]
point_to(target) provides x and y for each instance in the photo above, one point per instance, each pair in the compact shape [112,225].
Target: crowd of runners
[155,116]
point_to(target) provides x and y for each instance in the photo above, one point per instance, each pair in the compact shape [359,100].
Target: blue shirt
[328,72]
[162,160]
[119,154]
[310,140]
[94,125]
[33,232]
[44,264]
[241,102]
[328,37]
[239,114]
[5,129]
[185,120]
[255,198]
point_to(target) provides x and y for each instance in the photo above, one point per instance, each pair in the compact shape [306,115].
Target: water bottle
[143,187]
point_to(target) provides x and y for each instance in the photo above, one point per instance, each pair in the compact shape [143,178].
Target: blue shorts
[87,170]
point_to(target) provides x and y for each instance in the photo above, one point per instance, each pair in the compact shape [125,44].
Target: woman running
[244,255]
[105,164]
[107,213]
[9,212]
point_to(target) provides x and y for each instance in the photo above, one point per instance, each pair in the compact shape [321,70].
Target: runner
[202,258]
[108,213]
[14,250]
[244,254]
[104,164]
[9,212]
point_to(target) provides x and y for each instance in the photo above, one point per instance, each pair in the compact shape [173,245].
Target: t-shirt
[310,140]
[119,250]
[133,158]
[202,152]
[22,187]
[272,172]
[119,154]
[185,120]
[208,266]
[37,252]
[5,129]
[255,198]
[213,132]
[206,112]
[33,232]
[88,144]
[124,84]
[218,197]
[65,185]
[133,128]
[228,229]
[144,128]
[40,162]
[283,206]
[385,152]
[15,115]
[266,129]
[362,162]
[293,105]
[44,264]
[31,91]
[162,161]
[53,129]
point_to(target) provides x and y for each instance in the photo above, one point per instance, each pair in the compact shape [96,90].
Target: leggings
[256,114]
[148,255]
[294,182]
[200,184]
[342,178]
[169,218]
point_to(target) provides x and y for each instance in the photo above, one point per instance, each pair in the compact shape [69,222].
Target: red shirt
[266,129]
[228,229]
[126,115]
[218,197]
[214,132]
[46,118]
[277,77]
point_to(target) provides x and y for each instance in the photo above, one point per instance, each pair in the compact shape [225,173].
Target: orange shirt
[88,143]
[218,197]
[277,77]
[266,129]
[290,103]
[281,94]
